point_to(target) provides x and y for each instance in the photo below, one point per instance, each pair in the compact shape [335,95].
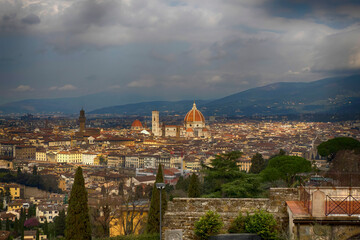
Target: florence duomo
[194,126]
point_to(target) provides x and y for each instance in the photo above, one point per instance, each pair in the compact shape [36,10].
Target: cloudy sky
[171,49]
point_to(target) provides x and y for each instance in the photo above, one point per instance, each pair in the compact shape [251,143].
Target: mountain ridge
[329,95]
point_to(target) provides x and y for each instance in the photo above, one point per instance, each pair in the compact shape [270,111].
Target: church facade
[194,126]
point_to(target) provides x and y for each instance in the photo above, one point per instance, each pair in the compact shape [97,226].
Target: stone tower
[155,123]
[82,120]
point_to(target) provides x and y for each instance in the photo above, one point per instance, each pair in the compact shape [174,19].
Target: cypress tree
[77,219]
[35,170]
[46,228]
[180,183]
[0,225]
[60,222]
[153,224]
[16,226]
[257,163]
[194,187]
[7,225]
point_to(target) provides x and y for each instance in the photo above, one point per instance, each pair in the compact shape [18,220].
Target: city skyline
[171,50]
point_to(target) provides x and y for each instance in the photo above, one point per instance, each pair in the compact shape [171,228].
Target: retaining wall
[182,213]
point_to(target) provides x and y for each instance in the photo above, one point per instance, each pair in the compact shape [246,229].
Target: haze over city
[171,50]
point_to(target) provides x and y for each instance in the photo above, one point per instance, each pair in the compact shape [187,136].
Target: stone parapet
[182,213]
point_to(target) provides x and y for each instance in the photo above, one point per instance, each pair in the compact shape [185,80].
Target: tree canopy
[223,169]
[247,186]
[331,147]
[285,168]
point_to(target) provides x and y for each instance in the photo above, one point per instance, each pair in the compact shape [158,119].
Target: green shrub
[263,224]
[238,225]
[208,225]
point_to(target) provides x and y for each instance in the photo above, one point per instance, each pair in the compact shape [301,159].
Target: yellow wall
[14,191]
[116,224]
[15,207]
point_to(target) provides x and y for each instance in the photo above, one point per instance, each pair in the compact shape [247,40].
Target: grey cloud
[31,19]
[9,23]
[339,53]
[221,47]
[333,13]
[162,57]
[83,14]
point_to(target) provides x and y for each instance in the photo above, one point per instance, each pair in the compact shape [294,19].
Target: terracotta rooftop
[297,208]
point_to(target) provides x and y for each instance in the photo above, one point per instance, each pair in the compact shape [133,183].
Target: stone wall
[182,213]
[328,232]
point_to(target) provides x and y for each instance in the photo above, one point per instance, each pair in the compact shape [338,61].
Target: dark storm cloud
[9,22]
[31,19]
[334,13]
[86,13]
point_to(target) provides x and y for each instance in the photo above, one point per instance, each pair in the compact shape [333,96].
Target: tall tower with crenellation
[82,120]
[155,123]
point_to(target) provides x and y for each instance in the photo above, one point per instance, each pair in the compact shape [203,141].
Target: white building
[89,158]
[48,212]
[68,157]
[40,155]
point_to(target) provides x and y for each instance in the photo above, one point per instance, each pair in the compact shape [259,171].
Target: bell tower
[82,120]
[155,123]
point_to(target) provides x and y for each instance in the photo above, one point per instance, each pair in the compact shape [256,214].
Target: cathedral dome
[136,124]
[194,115]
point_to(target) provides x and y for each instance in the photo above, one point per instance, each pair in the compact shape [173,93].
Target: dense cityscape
[123,160]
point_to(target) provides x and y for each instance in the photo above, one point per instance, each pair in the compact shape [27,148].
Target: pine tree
[153,224]
[224,169]
[194,187]
[257,163]
[77,219]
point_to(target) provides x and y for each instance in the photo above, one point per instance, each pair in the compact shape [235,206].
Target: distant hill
[67,105]
[330,95]
[339,95]
[145,108]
